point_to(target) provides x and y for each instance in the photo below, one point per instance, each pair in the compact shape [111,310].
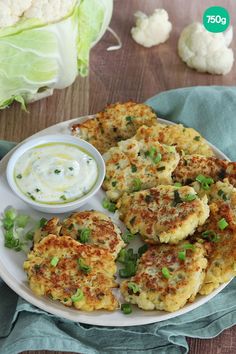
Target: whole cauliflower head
[206,51]
[151,30]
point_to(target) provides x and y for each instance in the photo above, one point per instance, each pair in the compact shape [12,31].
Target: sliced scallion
[54,261]
[222,224]
[78,296]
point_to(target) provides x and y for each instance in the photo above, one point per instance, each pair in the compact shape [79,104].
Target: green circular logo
[216,19]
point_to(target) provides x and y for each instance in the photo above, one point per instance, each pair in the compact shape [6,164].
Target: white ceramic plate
[11,262]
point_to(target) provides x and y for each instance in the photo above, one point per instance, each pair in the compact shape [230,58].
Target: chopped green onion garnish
[134,287]
[211,236]
[188,246]
[126,309]
[22,220]
[142,250]
[54,261]
[177,198]
[177,185]
[37,190]
[127,255]
[10,214]
[71,168]
[189,197]
[157,158]
[19,176]
[128,236]
[114,183]
[197,138]
[78,296]
[204,181]
[84,267]
[84,235]
[133,168]
[182,255]
[63,197]
[222,224]
[165,272]
[57,172]
[222,194]
[8,224]
[42,222]
[107,204]
[137,184]
[129,270]
[129,119]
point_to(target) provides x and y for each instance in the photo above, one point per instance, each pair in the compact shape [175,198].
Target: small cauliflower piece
[206,51]
[151,30]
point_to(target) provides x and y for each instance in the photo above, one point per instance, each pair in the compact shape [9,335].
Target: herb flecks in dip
[55,173]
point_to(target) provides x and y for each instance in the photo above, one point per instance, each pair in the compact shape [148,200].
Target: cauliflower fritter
[90,227]
[117,122]
[186,140]
[75,274]
[163,214]
[220,245]
[136,165]
[101,231]
[190,166]
[165,280]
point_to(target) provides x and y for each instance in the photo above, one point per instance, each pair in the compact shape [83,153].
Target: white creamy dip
[55,173]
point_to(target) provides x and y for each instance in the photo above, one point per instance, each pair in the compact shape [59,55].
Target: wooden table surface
[134,73]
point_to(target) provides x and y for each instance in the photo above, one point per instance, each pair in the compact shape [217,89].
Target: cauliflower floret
[206,51]
[12,10]
[49,10]
[152,30]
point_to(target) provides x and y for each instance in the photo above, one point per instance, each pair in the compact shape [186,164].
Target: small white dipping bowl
[47,139]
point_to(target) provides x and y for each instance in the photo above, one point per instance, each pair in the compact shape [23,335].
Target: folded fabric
[211,111]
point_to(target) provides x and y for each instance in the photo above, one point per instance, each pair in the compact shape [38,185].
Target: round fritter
[75,274]
[100,229]
[163,214]
[219,243]
[164,281]
[135,165]
[190,166]
[117,122]
[186,140]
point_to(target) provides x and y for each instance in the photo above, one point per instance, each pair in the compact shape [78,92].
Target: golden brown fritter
[75,274]
[190,166]
[219,243]
[165,279]
[163,214]
[186,140]
[90,227]
[137,165]
[100,229]
[117,122]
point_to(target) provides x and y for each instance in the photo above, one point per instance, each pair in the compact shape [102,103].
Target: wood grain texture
[134,73]
[72,102]
[137,73]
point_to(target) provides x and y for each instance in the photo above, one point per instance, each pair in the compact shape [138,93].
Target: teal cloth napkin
[212,111]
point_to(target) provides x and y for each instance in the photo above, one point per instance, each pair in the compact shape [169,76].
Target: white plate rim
[95,318]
